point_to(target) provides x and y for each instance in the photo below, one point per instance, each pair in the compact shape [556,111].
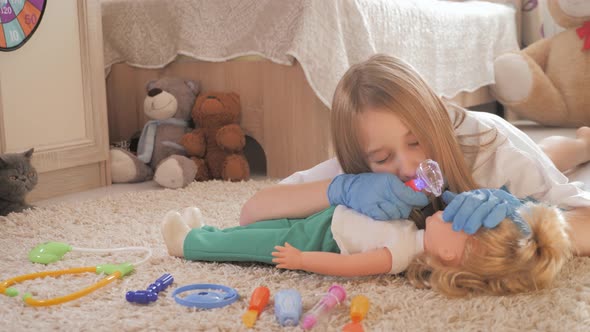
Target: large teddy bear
[160,155]
[217,145]
[549,81]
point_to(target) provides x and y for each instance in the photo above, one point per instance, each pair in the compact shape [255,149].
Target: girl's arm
[286,201]
[579,230]
[364,264]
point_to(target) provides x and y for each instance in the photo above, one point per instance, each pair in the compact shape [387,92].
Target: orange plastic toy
[258,302]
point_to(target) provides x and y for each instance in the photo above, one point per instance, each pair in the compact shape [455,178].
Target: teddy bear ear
[195,86]
[150,85]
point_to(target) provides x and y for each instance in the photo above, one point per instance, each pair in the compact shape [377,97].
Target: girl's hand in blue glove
[482,207]
[381,196]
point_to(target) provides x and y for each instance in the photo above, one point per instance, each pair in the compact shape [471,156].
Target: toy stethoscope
[50,252]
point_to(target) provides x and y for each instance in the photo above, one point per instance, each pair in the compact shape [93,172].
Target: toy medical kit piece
[113,272]
[336,294]
[161,283]
[258,302]
[141,296]
[150,294]
[288,307]
[209,296]
[50,252]
[359,306]
[428,177]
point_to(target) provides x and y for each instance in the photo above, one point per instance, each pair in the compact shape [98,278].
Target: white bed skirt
[452,44]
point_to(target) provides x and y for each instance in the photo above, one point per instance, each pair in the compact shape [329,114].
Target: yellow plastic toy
[53,251]
[359,306]
[258,302]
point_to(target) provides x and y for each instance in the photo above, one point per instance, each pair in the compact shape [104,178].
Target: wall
[40,91]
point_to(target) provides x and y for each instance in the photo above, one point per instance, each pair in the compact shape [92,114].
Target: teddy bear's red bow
[584,33]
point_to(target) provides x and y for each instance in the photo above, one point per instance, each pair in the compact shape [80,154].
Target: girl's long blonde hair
[386,82]
[501,260]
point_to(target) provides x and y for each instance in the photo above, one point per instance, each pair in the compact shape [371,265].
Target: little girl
[385,120]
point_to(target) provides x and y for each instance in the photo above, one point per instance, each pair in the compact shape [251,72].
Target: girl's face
[389,146]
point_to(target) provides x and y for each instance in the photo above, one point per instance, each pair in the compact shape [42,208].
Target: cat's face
[17,175]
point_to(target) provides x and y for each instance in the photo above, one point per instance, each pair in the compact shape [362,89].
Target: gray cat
[17,178]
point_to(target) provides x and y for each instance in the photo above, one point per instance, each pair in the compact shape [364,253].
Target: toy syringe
[428,177]
[336,295]
[258,301]
[359,306]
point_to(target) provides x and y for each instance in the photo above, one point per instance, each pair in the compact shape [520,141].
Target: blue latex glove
[381,196]
[482,207]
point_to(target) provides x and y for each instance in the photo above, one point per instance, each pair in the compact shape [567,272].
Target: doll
[516,256]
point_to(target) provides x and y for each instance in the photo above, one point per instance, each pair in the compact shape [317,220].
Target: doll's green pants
[256,242]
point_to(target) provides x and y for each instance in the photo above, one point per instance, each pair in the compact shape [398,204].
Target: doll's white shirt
[356,233]
[514,160]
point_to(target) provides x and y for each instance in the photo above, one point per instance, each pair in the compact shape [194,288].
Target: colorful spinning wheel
[18,21]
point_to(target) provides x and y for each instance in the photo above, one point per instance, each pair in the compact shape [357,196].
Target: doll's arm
[363,264]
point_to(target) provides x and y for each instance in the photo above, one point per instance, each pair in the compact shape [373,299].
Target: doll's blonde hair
[501,260]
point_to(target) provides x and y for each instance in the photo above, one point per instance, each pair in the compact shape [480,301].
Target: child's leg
[256,242]
[566,152]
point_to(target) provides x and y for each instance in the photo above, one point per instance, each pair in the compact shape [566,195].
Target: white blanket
[452,44]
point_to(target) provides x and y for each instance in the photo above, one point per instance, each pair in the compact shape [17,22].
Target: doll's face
[440,240]
[389,146]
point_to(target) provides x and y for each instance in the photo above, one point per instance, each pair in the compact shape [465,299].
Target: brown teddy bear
[217,145]
[548,81]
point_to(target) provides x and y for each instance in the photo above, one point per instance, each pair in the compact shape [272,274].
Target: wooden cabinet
[52,98]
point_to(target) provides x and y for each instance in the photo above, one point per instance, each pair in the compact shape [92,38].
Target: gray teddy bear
[168,103]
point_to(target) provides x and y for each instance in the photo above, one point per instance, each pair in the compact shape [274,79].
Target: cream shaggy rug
[133,219]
